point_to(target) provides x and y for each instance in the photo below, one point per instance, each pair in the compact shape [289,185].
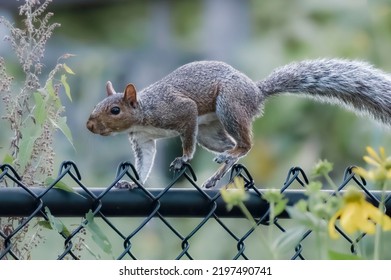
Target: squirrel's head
[116,113]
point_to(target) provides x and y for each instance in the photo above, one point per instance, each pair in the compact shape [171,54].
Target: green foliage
[277,201]
[54,223]
[333,255]
[62,125]
[234,194]
[319,212]
[26,145]
[34,112]
[98,235]
[8,159]
[59,185]
[322,168]
[287,242]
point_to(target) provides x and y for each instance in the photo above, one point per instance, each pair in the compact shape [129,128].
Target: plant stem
[378,234]
[320,246]
[265,242]
[271,220]
[332,184]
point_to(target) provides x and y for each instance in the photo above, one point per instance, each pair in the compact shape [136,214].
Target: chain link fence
[124,224]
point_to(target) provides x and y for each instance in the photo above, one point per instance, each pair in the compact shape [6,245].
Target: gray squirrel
[214,105]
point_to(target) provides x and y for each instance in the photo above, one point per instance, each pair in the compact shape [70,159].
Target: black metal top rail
[176,202]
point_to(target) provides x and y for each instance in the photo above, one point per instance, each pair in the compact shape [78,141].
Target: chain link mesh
[129,216]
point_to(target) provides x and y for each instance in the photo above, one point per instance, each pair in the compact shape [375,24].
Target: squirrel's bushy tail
[353,84]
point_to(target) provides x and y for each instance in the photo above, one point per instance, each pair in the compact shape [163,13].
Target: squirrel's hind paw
[178,164]
[223,158]
[210,183]
[125,185]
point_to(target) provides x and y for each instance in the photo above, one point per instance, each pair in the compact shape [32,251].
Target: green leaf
[272,196]
[68,69]
[96,256]
[66,86]
[314,187]
[40,112]
[26,144]
[8,159]
[62,125]
[280,206]
[288,240]
[56,224]
[302,205]
[307,219]
[97,234]
[59,185]
[52,93]
[45,224]
[333,255]
[49,88]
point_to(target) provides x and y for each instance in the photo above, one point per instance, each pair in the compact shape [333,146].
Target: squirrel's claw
[177,164]
[210,183]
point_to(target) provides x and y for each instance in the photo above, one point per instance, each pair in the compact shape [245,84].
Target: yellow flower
[357,214]
[234,193]
[381,164]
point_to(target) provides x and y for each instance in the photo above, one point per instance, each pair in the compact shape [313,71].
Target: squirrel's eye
[115,110]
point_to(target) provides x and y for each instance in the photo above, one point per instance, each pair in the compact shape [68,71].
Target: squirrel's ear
[109,88]
[130,95]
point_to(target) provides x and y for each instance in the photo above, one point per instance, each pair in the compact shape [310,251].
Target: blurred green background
[141,41]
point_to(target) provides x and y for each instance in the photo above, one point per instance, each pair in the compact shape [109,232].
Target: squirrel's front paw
[125,185]
[177,164]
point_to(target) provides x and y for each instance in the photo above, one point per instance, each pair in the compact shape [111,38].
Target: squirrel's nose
[90,125]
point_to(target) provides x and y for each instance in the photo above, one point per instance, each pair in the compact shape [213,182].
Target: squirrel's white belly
[153,132]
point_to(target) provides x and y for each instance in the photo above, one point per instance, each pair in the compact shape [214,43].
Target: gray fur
[353,84]
[212,103]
